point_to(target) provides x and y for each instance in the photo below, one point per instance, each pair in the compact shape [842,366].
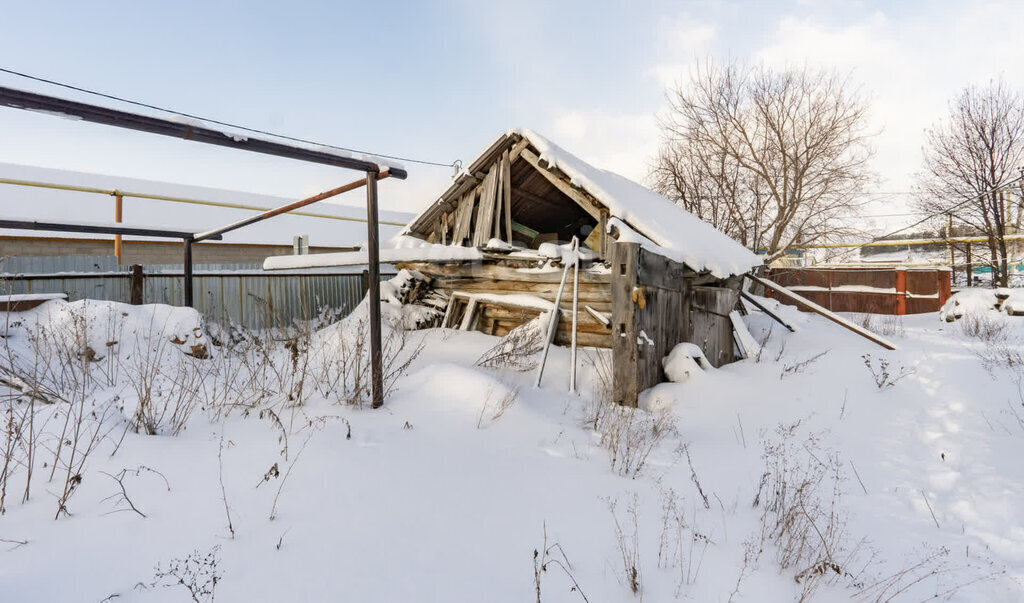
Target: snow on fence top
[675,232]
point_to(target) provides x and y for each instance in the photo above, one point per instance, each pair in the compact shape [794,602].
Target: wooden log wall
[503,280]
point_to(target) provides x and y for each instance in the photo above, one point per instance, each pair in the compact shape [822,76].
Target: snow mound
[684,361]
[977,301]
[99,328]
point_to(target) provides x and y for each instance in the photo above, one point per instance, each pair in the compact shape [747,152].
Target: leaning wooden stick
[839,320]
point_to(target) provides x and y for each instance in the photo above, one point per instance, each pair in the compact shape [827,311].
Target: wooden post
[506,182]
[901,292]
[373,293]
[602,224]
[187,265]
[624,333]
[137,285]
[117,218]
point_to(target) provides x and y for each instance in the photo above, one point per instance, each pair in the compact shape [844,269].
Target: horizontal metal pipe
[97,229]
[127,194]
[270,213]
[20,99]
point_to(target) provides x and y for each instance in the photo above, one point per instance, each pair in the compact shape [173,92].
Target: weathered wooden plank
[485,212]
[710,325]
[466,207]
[597,298]
[745,342]
[518,149]
[567,189]
[658,271]
[498,272]
[506,181]
[660,326]
[771,314]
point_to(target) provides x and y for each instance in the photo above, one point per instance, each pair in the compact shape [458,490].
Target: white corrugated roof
[32,203]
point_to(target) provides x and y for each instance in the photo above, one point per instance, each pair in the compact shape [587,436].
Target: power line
[942,211]
[220,123]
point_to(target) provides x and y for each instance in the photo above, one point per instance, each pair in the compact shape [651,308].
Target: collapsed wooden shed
[652,274]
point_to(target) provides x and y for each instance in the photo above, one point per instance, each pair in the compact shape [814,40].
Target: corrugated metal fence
[241,294]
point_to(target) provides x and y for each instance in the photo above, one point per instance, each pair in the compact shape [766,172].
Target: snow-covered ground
[825,467]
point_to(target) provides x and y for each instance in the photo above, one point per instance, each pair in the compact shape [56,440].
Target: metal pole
[373,293]
[187,264]
[117,218]
[21,99]
[575,310]
[270,213]
[551,326]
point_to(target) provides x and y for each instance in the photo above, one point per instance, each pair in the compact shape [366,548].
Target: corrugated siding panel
[254,301]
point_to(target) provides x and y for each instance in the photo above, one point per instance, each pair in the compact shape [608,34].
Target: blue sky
[440,80]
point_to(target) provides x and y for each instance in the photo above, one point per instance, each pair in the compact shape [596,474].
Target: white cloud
[681,41]
[622,143]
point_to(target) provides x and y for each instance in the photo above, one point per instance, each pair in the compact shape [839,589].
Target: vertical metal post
[188,272]
[117,218]
[373,289]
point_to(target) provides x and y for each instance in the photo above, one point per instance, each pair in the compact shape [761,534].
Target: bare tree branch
[773,159]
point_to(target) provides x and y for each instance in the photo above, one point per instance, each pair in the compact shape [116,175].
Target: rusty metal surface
[874,290]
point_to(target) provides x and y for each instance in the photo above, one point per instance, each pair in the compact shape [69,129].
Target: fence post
[901,292]
[136,285]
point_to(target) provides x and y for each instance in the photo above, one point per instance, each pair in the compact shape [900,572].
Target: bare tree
[772,158]
[970,158]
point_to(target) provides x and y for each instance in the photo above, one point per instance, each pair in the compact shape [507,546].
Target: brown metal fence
[881,290]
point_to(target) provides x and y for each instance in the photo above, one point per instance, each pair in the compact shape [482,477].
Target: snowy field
[147,458]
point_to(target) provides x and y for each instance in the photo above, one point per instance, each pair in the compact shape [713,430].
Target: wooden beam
[839,320]
[485,211]
[518,149]
[567,189]
[771,314]
[506,193]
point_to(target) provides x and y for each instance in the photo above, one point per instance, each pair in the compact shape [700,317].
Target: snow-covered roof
[674,232]
[637,214]
[344,225]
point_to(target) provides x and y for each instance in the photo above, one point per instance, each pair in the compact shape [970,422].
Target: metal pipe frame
[21,99]
[97,229]
[270,213]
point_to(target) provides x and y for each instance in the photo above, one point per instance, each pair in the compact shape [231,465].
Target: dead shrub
[344,367]
[984,326]
[628,543]
[629,435]
[802,518]
[168,386]
[516,351]
[885,375]
[197,573]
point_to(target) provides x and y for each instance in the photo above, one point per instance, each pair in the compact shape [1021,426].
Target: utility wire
[220,123]
[942,211]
